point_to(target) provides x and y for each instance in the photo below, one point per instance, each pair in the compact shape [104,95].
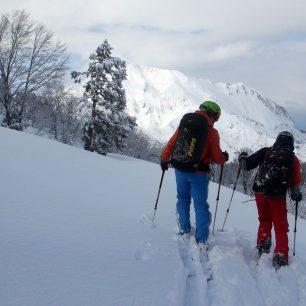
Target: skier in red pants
[278,169]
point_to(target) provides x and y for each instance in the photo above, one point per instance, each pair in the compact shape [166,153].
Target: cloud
[229,51]
[234,18]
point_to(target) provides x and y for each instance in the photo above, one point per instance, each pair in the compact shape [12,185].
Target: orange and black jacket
[211,152]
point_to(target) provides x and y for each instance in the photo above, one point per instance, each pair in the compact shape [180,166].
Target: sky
[259,43]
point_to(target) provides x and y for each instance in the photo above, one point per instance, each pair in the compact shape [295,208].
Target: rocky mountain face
[158,99]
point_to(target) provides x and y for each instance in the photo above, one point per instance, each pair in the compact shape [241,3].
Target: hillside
[76,230]
[158,98]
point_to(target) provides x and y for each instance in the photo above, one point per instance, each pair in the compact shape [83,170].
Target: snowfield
[76,229]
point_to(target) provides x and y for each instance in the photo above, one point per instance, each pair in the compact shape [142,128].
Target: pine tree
[107,128]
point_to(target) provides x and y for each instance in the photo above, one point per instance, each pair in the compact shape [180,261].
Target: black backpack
[277,170]
[191,138]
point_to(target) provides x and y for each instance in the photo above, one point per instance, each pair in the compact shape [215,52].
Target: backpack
[277,170]
[191,138]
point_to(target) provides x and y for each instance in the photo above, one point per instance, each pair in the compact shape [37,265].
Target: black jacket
[253,161]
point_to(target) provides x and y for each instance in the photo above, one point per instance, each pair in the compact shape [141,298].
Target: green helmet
[210,105]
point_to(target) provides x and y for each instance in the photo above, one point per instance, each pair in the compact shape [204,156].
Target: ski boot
[264,246]
[279,260]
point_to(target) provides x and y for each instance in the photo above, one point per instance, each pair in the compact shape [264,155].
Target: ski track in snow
[286,287]
[196,274]
[246,279]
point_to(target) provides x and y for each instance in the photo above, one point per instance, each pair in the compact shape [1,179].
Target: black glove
[225,155]
[164,165]
[242,155]
[297,196]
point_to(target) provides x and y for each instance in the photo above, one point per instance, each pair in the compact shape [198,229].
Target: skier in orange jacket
[195,184]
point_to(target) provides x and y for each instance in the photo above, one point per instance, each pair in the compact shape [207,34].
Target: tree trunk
[88,134]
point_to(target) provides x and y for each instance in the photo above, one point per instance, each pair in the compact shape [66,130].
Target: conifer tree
[108,125]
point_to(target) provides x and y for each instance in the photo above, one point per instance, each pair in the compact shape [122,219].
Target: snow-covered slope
[158,98]
[76,230]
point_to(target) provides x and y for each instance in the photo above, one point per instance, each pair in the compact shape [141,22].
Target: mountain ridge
[158,98]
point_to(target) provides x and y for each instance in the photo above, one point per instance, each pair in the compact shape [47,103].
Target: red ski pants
[273,211]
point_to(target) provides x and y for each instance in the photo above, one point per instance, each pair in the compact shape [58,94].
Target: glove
[164,165]
[225,155]
[242,155]
[296,194]
[297,197]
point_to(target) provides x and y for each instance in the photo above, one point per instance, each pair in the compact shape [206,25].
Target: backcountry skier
[191,149]
[278,169]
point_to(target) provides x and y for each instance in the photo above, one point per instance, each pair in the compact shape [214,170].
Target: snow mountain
[158,98]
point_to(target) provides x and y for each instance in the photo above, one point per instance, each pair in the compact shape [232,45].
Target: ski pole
[160,184]
[296,215]
[217,199]
[227,211]
[248,200]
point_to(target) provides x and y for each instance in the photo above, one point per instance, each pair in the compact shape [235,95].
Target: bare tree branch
[29,60]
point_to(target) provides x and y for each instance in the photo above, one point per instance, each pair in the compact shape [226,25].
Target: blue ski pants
[191,185]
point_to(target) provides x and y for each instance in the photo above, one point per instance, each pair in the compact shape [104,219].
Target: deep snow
[76,229]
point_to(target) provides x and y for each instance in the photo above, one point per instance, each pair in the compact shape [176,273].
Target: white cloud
[229,51]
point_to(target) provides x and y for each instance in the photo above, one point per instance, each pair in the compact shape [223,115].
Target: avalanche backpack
[277,170]
[191,138]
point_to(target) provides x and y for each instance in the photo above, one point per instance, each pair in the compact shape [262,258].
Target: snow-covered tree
[107,127]
[58,114]
[141,146]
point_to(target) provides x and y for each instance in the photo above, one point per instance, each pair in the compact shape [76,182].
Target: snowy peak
[239,90]
[158,98]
